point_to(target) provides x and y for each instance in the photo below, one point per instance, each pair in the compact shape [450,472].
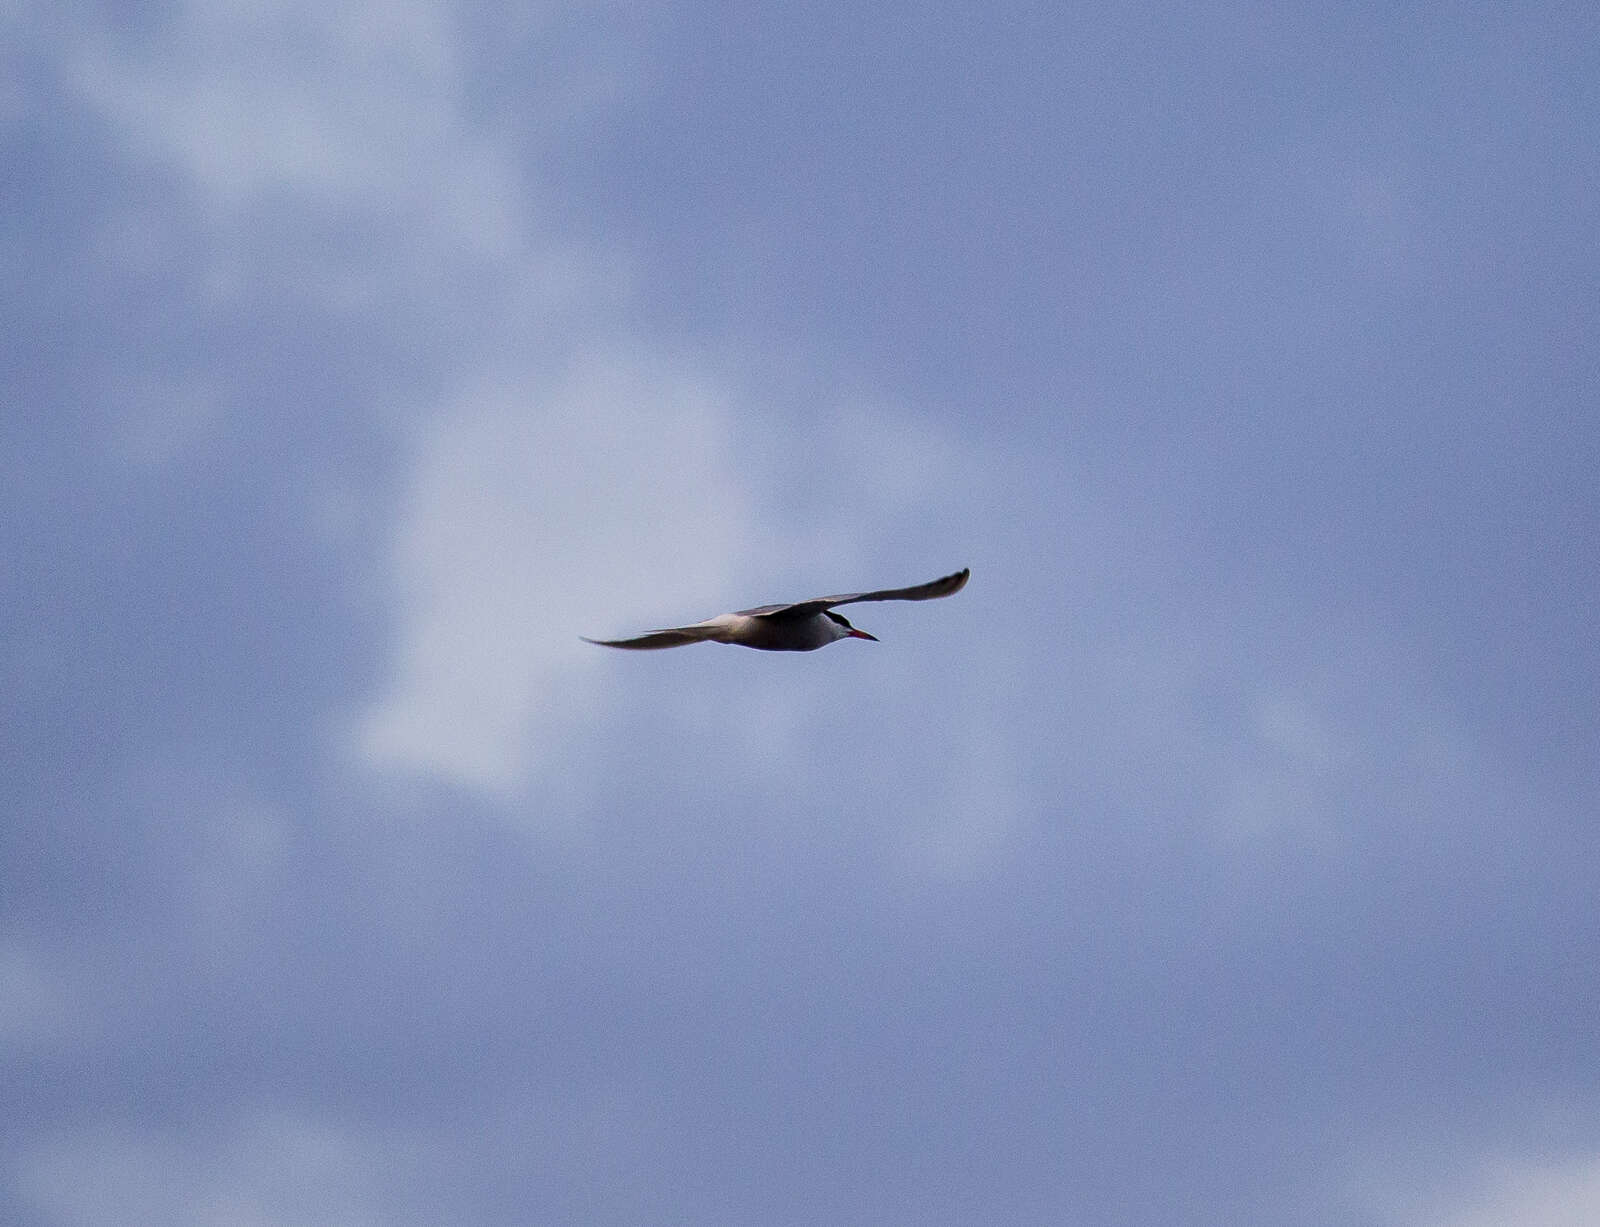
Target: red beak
[855,634]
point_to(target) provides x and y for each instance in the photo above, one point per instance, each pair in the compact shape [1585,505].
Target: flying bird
[802,626]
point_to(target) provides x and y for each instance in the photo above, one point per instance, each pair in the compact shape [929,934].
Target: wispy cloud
[1530,1193]
[1505,1183]
[287,1169]
[357,108]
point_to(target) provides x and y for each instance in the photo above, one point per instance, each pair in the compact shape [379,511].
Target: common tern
[802,626]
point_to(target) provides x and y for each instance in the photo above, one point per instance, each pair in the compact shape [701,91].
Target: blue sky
[1226,852]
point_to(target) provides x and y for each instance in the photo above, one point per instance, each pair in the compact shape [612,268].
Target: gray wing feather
[674,638]
[949,585]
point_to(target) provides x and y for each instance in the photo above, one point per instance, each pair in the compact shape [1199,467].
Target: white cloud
[341,155]
[535,517]
[333,103]
[1497,1189]
[1536,1194]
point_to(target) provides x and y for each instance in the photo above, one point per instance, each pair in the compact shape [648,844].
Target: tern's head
[844,630]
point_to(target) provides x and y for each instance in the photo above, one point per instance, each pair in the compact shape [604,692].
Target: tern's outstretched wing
[674,638]
[947,586]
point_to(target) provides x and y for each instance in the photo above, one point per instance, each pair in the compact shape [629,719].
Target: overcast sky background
[1226,852]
